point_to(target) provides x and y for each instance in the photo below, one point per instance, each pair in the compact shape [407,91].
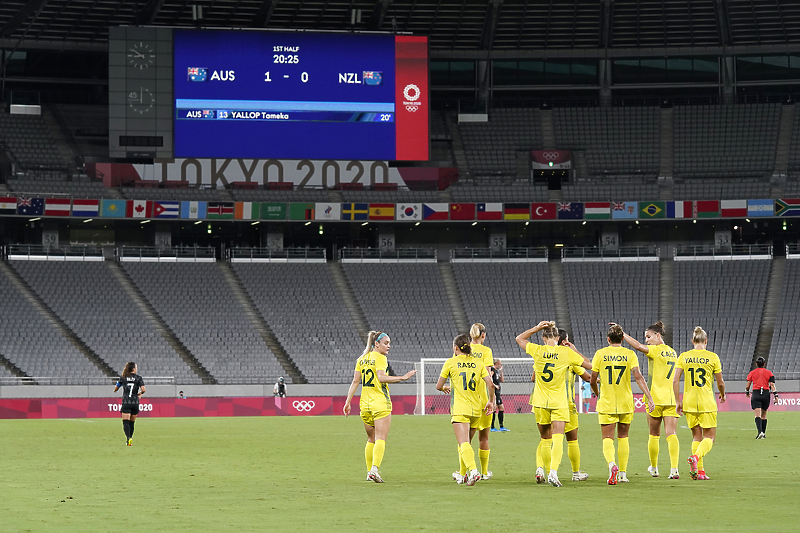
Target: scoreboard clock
[140,92]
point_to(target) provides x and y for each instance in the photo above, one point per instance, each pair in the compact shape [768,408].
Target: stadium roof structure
[465,26]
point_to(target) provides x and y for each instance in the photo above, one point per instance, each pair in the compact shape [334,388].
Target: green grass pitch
[307,474]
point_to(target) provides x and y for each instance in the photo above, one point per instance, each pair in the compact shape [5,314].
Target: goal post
[515,390]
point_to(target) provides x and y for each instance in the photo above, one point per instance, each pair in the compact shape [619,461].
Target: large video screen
[300,95]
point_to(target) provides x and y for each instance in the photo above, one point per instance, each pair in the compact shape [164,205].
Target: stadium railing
[38,252]
[143,254]
[479,255]
[737,251]
[398,255]
[287,255]
[623,253]
[80,381]
[793,251]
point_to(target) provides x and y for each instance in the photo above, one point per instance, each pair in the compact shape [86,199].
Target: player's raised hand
[409,374]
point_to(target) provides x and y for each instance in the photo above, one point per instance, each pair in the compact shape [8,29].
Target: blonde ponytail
[477,330]
[700,336]
[372,338]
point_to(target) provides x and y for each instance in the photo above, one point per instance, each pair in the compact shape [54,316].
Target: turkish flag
[543,211]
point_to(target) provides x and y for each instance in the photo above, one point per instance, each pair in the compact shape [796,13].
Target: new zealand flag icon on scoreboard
[197,74]
[373,77]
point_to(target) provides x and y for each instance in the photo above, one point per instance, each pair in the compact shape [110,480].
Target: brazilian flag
[652,210]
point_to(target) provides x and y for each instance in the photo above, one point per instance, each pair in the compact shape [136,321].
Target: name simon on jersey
[697,360]
[466,365]
[615,358]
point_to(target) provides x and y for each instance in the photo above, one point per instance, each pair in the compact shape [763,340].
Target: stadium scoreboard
[268,95]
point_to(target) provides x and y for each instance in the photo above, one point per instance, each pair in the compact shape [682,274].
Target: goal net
[515,390]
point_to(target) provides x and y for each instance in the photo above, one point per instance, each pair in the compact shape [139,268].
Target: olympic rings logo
[407,92]
[303,405]
[639,403]
[411,108]
[550,156]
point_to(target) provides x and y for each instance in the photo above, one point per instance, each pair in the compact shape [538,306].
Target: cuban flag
[197,74]
[166,209]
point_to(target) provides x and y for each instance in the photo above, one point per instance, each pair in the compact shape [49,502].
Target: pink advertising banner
[269,406]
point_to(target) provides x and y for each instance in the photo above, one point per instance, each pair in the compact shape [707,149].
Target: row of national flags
[403,212]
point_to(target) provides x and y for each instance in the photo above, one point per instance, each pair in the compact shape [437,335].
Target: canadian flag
[139,209]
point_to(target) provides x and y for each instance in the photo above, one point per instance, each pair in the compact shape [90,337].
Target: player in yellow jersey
[698,398]
[477,335]
[550,403]
[571,427]
[662,359]
[467,404]
[376,404]
[613,366]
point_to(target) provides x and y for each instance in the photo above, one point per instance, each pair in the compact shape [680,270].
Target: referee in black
[763,382]
[132,386]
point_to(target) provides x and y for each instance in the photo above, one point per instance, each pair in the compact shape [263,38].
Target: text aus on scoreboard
[284,111]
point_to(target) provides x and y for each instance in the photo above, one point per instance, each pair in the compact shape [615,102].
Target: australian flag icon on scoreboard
[208,113]
[197,74]
[373,77]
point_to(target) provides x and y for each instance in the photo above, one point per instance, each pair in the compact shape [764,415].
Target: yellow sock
[468,456]
[484,457]
[574,454]
[377,452]
[547,453]
[608,450]
[652,450]
[624,451]
[368,455]
[695,445]
[674,450]
[539,459]
[462,468]
[558,451]
[704,447]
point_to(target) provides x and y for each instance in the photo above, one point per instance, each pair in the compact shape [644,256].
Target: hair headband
[382,335]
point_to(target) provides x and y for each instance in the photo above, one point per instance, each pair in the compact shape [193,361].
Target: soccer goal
[515,390]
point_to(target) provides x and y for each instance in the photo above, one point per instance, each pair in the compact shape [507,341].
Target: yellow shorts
[546,416]
[485,422]
[473,421]
[704,420]
[624,418]
[660,411]
[573,421]
[369,417]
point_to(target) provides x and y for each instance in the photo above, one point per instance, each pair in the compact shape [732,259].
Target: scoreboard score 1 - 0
[300,95]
